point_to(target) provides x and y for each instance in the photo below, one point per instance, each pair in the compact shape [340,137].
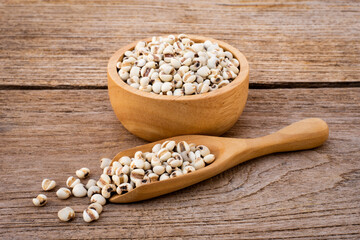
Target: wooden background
[55,117]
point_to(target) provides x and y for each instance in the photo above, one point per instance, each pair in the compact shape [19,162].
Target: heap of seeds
[166,160]
[177,66]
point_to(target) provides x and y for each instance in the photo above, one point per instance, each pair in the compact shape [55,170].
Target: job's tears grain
[165,160]
[177,66]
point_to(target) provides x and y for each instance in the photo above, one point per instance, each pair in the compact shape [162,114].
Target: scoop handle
[305,134]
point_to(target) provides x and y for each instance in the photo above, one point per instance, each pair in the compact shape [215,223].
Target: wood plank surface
[66,44]
[313,194]
[55,117]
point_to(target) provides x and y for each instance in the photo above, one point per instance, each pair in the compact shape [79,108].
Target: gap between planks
[280,85]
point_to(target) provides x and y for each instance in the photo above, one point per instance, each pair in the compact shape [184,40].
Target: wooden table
[56,117]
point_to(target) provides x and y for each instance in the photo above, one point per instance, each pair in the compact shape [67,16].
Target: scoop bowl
[229,152]
[153,117]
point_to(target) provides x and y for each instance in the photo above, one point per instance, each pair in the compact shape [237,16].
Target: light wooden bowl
[153,117]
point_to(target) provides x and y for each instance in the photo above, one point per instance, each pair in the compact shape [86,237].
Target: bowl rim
[240,78]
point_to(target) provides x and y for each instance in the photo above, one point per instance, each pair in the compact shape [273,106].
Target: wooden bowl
[153,117]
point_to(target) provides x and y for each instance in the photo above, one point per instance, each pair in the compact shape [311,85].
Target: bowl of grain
[175,85]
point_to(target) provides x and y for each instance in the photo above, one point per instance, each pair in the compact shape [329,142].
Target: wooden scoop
[305,134]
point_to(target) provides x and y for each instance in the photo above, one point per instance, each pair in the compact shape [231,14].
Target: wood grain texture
[49,133]
[66,44]
[301,195]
